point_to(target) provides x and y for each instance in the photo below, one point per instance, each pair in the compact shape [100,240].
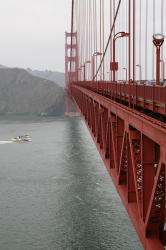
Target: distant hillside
[3,67]
[23,93]
[56,77]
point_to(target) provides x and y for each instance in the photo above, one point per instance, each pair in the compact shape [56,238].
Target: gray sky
[32,33]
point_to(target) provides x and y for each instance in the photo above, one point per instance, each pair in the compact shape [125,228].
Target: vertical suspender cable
[129,44]
[96,40]
[93,37]
[91,51]
[92,41]
[162,17]
[127,41]
[133,40]
[146,40]
[87,32]
[90,58]
[84,35]
[111,39]
[129,51]
[140,37]
[77,28]
[93,26]
[122,48]
[107,45]
[114,15]
[90,34]
[162,30]
[78,38]
[114,25]
[119,44]
[81,30]
[154,20]
[103,37]
[122,27]
[100,38]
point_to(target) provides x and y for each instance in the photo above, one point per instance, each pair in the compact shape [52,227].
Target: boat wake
[5,142]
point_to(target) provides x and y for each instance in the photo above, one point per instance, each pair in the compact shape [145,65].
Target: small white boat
[24,138]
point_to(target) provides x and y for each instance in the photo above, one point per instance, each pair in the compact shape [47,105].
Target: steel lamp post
[114,64]
[158,40]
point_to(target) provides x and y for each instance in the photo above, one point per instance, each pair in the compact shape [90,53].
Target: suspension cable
[140,37]
[117,11]
[103,38]
[154,20]
[146,38]
[162,24]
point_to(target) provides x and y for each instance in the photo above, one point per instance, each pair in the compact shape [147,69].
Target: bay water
[55,193]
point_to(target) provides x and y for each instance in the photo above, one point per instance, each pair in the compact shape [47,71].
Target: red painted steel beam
[133,148]
[147,97]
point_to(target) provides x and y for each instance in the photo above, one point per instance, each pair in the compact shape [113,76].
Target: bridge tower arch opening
[71,70]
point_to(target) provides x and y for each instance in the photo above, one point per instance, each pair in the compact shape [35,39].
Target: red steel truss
[152,98]
[125,113]
[133,148]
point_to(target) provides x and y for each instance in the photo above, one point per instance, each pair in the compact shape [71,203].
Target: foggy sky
[32,33]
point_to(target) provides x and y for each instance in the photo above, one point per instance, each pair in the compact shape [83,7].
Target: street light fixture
[158,40]
[93,62]
[114,65]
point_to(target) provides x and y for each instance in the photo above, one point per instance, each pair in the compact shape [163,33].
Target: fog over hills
[56,77]
[24,93]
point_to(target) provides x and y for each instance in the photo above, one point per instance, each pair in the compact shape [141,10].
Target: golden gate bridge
[115,73]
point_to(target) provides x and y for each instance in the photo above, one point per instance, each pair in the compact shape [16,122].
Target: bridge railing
[149,97]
